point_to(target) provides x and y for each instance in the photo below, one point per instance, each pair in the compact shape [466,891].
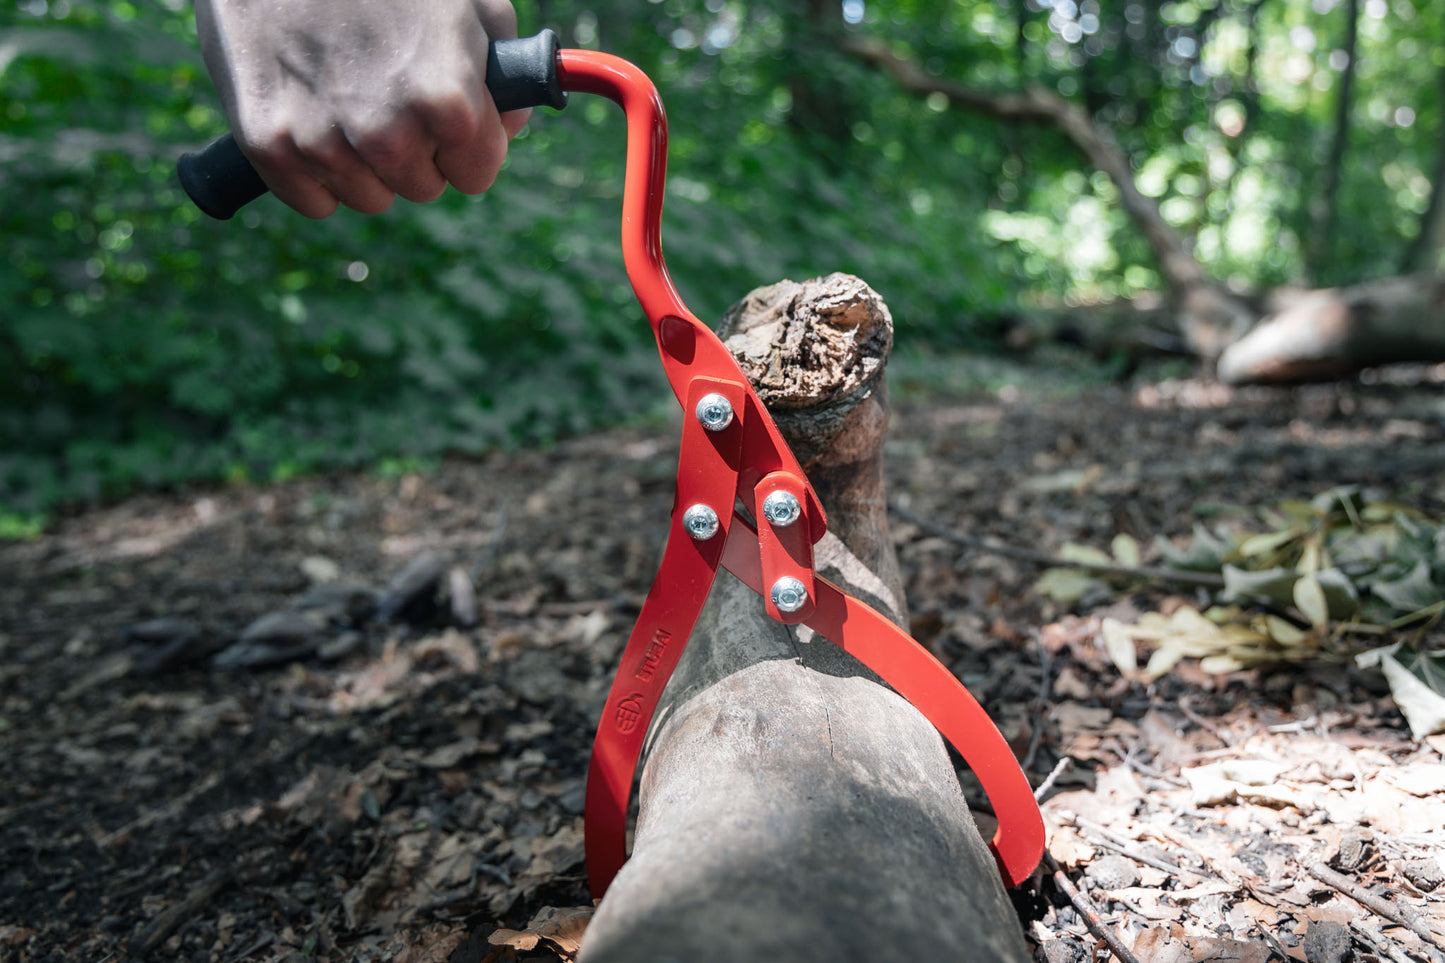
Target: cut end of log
[813,351]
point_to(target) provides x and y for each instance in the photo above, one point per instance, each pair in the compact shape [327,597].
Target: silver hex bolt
[700,522]
[715,412]
[789,594]
[781,509]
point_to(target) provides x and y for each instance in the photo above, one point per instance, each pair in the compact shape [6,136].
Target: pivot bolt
[789,595]
[781,509]
[715,412]
[700,522]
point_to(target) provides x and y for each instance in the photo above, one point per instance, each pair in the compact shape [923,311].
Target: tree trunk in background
[792,807]
[821,108]
[1305,335]
[1321,246]
[1208,315]
[1425,253]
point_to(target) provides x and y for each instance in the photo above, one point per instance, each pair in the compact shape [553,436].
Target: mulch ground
[348,717]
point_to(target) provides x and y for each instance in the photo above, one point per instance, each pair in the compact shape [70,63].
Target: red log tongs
[731,454]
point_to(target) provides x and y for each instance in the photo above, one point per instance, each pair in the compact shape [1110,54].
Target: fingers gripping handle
[520,73]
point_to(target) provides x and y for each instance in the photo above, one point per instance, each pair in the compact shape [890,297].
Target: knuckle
[453,118]
[325,152]
[319,211]
[270,145]
[426,193]
[383,146]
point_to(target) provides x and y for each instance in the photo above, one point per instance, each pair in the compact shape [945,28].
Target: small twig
[1034,557]
[1222,735]
[177,913]
[1378,942]
[1274,943]
[1142,768]
[1086,909]
[168,812]
[1048,782]
[1377,904]
[1124,847]
[256,946]
[1041,717]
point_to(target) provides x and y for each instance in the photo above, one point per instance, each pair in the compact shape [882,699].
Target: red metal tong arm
[692,355]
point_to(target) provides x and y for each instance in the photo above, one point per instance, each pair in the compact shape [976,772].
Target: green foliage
[1323,575]
[1338,557]
[143,345]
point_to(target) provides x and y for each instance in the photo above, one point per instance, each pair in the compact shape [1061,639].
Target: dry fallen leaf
[1119,644]
[1066,845]
[1228,951]
[562,927]
[1251,779]
[1424,779]
[1158,945]
[434,944]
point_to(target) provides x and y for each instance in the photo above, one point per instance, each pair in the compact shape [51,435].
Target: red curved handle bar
[587,71]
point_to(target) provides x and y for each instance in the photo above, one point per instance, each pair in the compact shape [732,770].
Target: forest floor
[229,731]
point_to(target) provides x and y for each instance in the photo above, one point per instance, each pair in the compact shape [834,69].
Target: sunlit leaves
[1335,570]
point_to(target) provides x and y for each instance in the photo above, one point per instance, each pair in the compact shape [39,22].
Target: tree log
[792,807]
[1328,333]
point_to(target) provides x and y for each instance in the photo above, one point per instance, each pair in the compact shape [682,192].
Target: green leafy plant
[1322,576]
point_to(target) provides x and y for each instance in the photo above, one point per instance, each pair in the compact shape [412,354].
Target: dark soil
[344,785]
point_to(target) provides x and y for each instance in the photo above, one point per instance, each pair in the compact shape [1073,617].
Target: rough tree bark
[792,807]
[1427,250]
[1301,336]
[1321,243]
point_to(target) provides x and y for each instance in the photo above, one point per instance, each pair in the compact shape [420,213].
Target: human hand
[355,101]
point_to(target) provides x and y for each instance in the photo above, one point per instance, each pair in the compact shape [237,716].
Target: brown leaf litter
[410,787]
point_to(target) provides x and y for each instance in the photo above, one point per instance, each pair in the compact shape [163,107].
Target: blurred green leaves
[141,344]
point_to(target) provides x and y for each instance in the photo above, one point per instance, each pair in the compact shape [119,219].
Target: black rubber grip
[520,73]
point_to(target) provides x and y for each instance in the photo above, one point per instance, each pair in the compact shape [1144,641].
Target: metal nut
[715,412]
[789,594]
[700,522]
[781,509]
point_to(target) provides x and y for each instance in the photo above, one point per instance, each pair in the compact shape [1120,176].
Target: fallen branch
[791,806]
[1332,332]
[1377,904]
